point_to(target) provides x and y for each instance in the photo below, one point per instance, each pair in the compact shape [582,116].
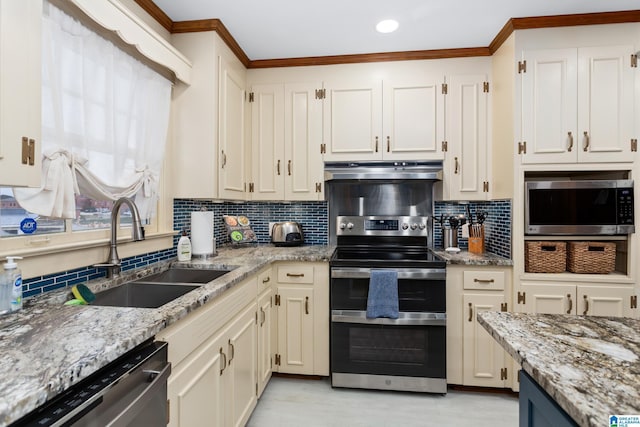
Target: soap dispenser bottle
[184,247]
[12,278]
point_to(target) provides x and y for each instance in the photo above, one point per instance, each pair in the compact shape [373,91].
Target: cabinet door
[195,390]
[483,357]
[413,120]
[20,91]
[295,330]
[467,137]
[267,142]
[241,384]
[231,134]
[546,298]
[353,121]
[605,301]
[605,104]
[265,351]
[303,169]
[549,109]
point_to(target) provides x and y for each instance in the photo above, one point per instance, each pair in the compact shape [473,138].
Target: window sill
[44,259]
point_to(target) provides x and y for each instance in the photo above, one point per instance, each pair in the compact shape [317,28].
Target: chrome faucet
[137,233]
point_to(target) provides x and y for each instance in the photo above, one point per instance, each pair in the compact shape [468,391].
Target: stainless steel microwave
[596,207]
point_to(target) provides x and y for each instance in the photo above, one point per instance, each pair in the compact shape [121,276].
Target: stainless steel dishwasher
[131,391]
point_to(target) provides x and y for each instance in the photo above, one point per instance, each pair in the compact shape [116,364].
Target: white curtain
[104,122]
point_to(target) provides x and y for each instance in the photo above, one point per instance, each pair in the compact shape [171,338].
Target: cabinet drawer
[295,273]
[484,280]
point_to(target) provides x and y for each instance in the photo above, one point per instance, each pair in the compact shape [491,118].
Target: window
[104,125]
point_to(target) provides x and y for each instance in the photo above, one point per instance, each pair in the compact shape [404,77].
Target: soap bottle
[184,247]
[12,277]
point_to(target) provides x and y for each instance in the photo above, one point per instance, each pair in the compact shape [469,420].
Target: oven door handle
[403,273]
[404,318]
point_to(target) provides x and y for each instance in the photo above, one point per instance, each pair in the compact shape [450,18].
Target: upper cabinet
[231,131]
[20,92]
[383,120]
[467,130]
[578,105]
[286,138]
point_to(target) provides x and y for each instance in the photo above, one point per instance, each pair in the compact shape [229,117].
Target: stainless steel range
[407,353]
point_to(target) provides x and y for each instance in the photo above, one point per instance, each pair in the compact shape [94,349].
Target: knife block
[476,243]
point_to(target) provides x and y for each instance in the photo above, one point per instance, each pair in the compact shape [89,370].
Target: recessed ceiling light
[387,26]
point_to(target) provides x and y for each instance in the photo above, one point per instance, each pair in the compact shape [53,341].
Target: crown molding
[512,25]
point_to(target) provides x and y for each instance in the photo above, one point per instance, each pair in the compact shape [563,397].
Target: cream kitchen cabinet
[286,138]
[20,92]
[302,305]
[566,298]
[578,105]
[266,329]
[474,358]
[231,139]
[384,120]
[213,352]
[467,138]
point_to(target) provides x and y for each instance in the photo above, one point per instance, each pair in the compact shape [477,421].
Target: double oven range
[407,353]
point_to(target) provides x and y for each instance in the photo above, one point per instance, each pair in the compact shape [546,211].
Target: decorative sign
[28,226]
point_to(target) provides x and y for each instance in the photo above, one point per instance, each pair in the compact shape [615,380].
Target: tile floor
[291,402]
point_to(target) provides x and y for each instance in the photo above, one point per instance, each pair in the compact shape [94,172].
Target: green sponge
[83,293]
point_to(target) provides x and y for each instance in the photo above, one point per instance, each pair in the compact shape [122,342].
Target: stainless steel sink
[158,289]
[185,275]
[142,295]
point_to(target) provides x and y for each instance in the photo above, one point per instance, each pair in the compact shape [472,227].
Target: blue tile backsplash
[497,225]
[312,215]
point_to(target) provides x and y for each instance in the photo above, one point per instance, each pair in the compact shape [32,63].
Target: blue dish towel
[382,300]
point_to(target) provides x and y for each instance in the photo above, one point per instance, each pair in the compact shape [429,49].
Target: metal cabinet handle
[263,316]
[278,167]
[570,304]
[570,141]
[483,280]
[306,305]
[586,305]
[224,159]
[266,279]
[295,274]
[470,312]
[376,144]
[289,167]
[388,144]
[224,363]
[456,166]
[232,351]
[586,141]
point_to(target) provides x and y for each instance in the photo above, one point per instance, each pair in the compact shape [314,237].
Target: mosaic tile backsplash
[497,225]
[312,215]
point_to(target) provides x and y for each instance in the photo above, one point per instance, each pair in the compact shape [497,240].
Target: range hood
[431,171]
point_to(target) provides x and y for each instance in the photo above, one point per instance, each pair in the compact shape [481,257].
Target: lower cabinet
[213,353]
[537,408]
[586,300]
[302,306]
[266,331]
[474,358]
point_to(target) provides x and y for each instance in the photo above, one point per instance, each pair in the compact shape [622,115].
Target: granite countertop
[467,258]
[589,365]
[47,347]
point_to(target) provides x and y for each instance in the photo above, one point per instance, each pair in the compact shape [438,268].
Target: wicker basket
[545,257]
[591,257]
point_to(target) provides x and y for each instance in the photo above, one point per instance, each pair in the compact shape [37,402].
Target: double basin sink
[158,289]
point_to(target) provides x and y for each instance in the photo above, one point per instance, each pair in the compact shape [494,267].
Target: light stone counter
[589,365]
[468,258]
[47,347]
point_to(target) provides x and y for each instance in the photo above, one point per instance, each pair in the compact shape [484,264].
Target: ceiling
[277,29]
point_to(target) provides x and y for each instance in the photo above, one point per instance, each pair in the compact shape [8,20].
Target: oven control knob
[421,226]
[414,226]
[350,226]
[343,226]
[405,226]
